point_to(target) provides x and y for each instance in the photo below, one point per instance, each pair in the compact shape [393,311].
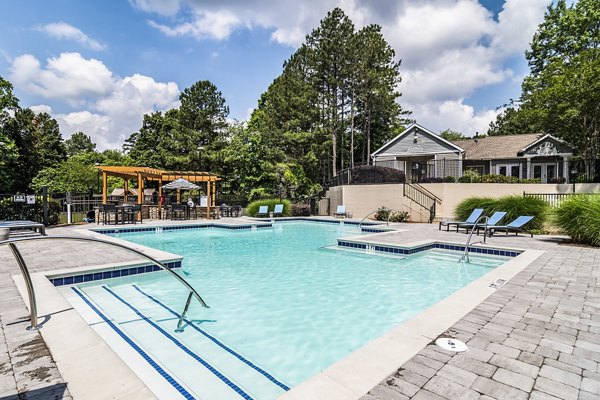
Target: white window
[509,170]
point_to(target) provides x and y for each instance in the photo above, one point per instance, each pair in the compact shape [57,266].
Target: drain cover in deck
[451,344]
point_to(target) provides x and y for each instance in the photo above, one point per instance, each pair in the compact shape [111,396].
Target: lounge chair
[19,225]
[476,213]
[341,212]
[493,220]
[515,226]
[263,211]
[278,211]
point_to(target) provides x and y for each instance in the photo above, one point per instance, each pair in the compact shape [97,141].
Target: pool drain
[451,345]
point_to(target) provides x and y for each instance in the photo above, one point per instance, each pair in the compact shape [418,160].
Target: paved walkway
[538,336]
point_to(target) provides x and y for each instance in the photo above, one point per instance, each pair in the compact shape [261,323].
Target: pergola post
[125,190]
[160,184]
[104,187]
[208,199]
[140,198]
[214,194]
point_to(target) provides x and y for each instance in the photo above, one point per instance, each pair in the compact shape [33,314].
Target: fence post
[45,205]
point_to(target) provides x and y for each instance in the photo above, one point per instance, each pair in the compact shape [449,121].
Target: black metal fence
[579,171]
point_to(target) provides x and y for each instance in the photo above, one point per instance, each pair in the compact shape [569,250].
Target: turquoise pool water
[278,299]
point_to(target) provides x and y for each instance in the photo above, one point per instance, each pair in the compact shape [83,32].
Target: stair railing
[422,197]
[31,292]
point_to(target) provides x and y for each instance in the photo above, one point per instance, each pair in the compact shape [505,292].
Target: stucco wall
[453,193]
[360,200]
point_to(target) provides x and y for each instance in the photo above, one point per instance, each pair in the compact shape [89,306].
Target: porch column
[529,174]
[566,168]
[460,164]
[104,188]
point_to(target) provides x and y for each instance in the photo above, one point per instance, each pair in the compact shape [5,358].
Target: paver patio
[538,336]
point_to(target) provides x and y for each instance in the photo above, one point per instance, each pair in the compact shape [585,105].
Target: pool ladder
[465,255]
[31,292]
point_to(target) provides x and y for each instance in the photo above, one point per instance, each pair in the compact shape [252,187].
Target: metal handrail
[465,255]
[417,195]
[31,292]
[373,212]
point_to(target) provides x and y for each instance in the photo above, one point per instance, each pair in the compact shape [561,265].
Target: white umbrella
[181,184]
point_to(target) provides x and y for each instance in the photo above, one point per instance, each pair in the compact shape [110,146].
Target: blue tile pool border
[90,276]
[429,246]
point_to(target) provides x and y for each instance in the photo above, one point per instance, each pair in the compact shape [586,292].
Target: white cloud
[162,7]
[449,48]
[207,24]
[455,115]
[64,31]
[69,76]
[41,108]
[110,108]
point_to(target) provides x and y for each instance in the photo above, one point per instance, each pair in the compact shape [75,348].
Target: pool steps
[133,310]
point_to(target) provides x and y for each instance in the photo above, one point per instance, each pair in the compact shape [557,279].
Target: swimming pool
[283,305]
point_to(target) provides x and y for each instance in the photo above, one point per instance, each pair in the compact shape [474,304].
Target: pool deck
[537,336]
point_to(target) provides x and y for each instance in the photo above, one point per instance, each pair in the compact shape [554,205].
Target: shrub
[579,217]
[374,174]
[469,176]
[449,179]
[385,214]
[253,207]
[382,214]
[258,193]
[514,206]
[431,180]
[557,179]
[300,210]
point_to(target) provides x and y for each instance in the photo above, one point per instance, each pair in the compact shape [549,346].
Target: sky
[99,66]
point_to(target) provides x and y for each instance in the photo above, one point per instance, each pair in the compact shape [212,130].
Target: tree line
[334,103]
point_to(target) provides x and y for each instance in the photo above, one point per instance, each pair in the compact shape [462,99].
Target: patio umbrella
[180,184]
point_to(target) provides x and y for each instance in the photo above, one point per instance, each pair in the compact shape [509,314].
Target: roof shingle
[495,147]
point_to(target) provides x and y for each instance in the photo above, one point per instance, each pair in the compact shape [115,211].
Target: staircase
[423,197]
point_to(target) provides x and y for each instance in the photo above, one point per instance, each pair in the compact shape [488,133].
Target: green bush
[449,179]
[252,209]
[385,214]
[300,210]
[514,206]
[579,217]
[469,176]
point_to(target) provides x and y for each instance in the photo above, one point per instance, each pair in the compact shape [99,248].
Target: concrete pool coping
[349,378]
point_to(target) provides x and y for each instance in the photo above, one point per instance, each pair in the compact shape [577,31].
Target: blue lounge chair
[515,226]
[476,213]
[263,211]
[493,220]
[278,211]
[340,212]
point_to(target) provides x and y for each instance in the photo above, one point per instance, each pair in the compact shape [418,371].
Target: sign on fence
[19,198]
[30,199]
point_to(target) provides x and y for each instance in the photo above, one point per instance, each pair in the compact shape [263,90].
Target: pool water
[282,306]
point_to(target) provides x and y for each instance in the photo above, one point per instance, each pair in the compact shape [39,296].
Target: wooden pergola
[142,174]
